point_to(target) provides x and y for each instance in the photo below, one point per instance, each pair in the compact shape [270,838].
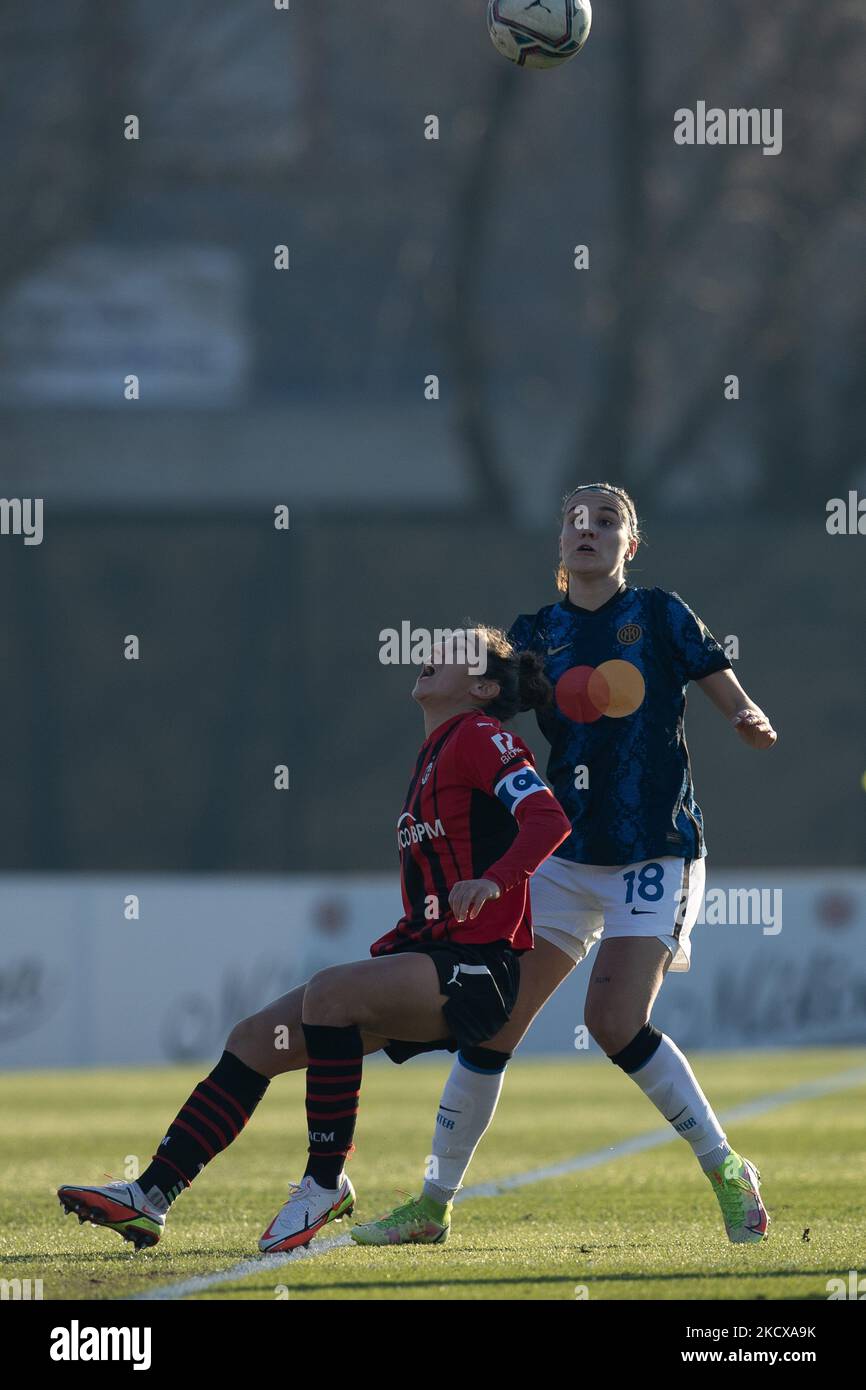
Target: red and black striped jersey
[475,808]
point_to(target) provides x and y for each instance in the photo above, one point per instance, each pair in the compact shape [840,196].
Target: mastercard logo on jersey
[615,688]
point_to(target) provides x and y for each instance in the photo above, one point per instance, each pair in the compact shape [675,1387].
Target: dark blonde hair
[625,505]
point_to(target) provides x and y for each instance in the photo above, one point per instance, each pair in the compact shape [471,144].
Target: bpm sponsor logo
[413,832]
[615,688]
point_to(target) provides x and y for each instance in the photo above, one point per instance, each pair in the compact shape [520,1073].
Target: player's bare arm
[729,697]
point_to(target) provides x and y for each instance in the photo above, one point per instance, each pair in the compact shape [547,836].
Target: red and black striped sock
[333,1082]
[210,1120]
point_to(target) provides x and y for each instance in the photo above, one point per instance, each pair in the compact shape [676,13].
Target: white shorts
[575,905]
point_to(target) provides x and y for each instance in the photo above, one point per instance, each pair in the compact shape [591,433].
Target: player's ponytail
[519,675]
[533,688]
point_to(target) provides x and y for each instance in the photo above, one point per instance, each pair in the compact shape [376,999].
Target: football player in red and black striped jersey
[476,823]
[469,793]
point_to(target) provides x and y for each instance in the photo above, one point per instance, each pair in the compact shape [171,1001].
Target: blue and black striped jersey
[619,764]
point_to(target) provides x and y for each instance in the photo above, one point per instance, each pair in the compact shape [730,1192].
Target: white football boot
[308,1209]
[121,1206]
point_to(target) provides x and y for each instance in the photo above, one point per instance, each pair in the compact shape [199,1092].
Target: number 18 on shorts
[576,905]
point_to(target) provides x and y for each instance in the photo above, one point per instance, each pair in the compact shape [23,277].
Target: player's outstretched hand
[467,897]
[754,728]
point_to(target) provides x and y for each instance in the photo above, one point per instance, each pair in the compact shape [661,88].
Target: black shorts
[481,984]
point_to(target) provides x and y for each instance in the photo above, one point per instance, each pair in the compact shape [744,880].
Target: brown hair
[520,675]
[626,506]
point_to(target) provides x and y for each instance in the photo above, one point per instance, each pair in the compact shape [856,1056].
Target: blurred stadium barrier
[81,985]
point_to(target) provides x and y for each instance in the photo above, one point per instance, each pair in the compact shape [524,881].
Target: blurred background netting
[409,258]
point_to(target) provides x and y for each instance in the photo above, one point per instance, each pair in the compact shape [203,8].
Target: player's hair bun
[534,689]
[519,675]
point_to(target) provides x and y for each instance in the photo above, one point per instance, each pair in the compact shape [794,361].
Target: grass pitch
[641,1226]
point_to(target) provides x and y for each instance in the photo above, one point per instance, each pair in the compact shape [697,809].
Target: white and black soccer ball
[539,33]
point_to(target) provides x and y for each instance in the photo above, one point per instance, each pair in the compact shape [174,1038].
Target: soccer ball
[539,33]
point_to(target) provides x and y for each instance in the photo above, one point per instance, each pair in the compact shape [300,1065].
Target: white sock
[467,1106]
[671,1085]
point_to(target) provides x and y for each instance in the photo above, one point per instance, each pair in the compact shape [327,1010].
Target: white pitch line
[655,1138]
[809,1090]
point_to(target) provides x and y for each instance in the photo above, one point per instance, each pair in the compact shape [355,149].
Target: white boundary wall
[81,985]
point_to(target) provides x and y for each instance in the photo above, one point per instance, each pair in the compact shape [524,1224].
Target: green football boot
[735,1183]
[420,1221]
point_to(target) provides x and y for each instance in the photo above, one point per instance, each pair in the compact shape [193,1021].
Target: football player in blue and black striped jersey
[630,876]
